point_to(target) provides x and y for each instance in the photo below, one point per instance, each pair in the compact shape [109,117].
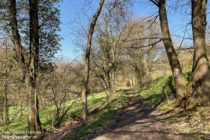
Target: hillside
[161,65]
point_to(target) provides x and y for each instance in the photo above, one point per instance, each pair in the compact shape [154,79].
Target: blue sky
[74,12]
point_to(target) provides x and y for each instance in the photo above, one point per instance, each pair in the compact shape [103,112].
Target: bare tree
[85,88]
[58,85]
[176,68]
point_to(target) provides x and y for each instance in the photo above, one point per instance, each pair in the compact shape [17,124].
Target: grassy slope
[191,121]
[20,123]
[105,115]
[159,89]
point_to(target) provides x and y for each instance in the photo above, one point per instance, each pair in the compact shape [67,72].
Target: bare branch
[154,20]
[155,2]
[144,46]
[144,38]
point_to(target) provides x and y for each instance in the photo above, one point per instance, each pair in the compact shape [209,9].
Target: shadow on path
[139,121]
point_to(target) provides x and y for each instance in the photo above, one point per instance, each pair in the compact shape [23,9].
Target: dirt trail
[139,121]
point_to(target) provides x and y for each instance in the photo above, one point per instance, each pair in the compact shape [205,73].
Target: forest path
[139,121]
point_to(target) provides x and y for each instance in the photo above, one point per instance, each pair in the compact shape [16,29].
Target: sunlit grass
[155,92]
[158,91]
[19,123]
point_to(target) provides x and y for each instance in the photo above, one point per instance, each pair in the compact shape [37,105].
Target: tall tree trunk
[200,70]
[85,88]
[113,69]
[34,123]
[172,55]
[31,77]
[6,106]
[30,70]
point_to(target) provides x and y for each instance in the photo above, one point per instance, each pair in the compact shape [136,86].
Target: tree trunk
[110,87]
[200,70]
[84,101]
[30,91]
[33,109]
[30,71]
[85,88]
[15,35]
[172,56]
[6,106]
[31,77]
[113,71]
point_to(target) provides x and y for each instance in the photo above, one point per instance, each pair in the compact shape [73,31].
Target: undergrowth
[161,92]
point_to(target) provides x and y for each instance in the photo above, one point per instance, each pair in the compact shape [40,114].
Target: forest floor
[140,121]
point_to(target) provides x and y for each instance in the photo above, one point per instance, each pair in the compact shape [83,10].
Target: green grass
[155,92]
[166,106]
[19,123]
[96,100]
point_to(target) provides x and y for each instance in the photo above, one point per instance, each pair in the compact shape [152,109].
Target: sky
[79,12]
